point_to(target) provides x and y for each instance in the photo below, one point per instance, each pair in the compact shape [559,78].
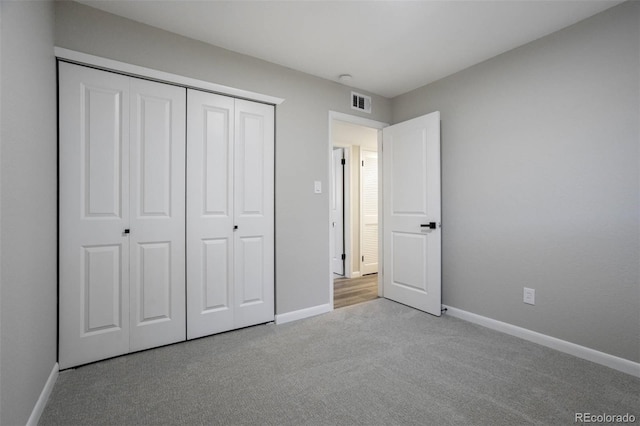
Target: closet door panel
[93,213]
[210,224]
[250,279]
[216,153]
[101,288]
[152,285]
[250,155]
[157,214]
[215,280]
[254,206]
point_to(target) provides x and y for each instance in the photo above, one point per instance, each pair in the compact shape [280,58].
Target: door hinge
[343,162]
[362,163]
[363,258]
[344,256]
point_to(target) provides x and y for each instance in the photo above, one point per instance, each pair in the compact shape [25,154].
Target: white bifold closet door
[121,214]
[230,213]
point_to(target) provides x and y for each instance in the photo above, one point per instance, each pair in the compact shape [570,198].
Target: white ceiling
[389,47]
[343,133]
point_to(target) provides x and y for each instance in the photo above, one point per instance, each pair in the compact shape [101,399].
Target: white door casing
[411,192]
[369,212]
[230,222]
[120,291]
[337,212]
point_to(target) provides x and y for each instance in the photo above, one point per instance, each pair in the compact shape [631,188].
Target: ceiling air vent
[360,102]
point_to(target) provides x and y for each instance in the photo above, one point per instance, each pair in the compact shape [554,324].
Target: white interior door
[369,212]
[254,213]
[122,148]
[337,212]
[157,238]
[210,215]
[230,213]
[411,192]
[93,215]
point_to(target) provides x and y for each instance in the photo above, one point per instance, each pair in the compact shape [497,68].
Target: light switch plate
[529,296]
[317,187]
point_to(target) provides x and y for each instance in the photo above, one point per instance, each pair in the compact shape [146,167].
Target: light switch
[529,296]
[317,187]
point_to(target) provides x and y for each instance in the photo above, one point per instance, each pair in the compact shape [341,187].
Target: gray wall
[541,185]
[540,177]
[28,206]
[302,140]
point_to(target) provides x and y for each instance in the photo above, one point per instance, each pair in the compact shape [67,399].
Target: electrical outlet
[529,296]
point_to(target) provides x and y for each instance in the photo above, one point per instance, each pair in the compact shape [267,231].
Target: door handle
[431,225]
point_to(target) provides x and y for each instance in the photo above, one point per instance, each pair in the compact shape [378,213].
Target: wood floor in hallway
[350,291]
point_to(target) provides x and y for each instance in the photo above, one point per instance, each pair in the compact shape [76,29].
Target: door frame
[366,122]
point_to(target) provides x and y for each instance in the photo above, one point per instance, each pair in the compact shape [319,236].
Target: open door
[411,232]
[337,212]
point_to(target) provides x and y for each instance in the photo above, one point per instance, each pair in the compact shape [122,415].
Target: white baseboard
[44,397]
[303,313]
[355,274]
[611,361]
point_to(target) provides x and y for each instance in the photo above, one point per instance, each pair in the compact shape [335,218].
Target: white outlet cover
[529,296]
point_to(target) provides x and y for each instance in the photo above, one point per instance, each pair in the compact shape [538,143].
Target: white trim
[611,361]
[38,409]
[356,274]
[135,70]
[354,119]
[303,313]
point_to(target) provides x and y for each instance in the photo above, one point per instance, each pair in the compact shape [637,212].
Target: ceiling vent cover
[360,102]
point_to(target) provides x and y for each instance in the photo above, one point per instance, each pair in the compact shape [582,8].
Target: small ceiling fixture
[345,78]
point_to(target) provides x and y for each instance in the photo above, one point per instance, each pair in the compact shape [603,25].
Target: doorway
[357,140]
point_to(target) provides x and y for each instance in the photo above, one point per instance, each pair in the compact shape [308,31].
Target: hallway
[351,291]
